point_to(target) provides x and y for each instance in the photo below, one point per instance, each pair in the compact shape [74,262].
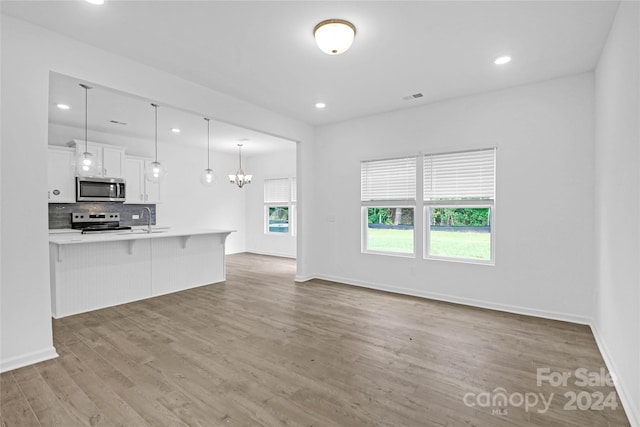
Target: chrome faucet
[146,208]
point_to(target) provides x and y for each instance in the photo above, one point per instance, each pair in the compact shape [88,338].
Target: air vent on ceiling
[414,96]
[116,122]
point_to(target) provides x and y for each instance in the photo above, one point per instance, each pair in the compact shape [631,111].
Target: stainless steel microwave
[100,190]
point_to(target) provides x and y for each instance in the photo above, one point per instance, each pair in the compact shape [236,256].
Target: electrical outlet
[135,216]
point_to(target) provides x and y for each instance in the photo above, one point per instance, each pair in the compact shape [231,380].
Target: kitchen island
[92,271]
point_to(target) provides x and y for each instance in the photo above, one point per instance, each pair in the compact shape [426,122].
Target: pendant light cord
[86,102]
[208,149]
[240,154]
[155,106]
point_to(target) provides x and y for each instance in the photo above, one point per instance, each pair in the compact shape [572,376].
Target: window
[277,206]
[388,194]
[459,195]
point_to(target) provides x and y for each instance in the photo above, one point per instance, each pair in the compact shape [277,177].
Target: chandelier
[240,179]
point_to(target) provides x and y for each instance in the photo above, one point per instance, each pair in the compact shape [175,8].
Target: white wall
[544,207]
[184,199]
[617,315]
[277,165]
[220,206]
[29,53]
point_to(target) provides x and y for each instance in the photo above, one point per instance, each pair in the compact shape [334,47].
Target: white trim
[305,278]
[632,412]
[553,315]
[28,359]
[364,230]
[281,255]
[427,234]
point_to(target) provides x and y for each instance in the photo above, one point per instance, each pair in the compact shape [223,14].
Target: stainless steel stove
[97,222]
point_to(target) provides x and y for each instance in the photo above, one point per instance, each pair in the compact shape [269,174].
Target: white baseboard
[305,278]
[632,410]
[281,255]
[28,359]
[565,317]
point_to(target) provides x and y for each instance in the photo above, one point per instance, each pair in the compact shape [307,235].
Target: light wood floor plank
[14,408]
[49,410]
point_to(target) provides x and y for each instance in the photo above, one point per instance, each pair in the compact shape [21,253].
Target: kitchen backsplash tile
[60,213]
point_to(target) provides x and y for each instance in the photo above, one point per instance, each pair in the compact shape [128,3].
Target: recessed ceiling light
[96,2]
[320,105]
[175,130]
[63,106]
[502,60]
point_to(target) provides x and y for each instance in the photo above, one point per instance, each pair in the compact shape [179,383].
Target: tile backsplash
[60,213]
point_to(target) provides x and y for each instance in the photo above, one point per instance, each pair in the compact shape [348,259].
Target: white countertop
[136,233]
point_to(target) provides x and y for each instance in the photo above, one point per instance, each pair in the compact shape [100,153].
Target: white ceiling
[106,104]
[264,51]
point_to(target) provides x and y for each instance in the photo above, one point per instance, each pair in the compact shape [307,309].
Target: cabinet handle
[141,197]
[105,171]
[49,194]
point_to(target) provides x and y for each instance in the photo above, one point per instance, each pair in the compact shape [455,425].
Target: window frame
[268,206]
[480,204]
[459,203]
[364,220]
[388,201]
[422,217]
[290,204]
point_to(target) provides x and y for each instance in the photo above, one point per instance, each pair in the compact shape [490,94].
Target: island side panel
[90,276]
[185,262]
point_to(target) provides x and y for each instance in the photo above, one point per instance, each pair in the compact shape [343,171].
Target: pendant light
[207,178]
[86,163]
[240,179]
[155,171]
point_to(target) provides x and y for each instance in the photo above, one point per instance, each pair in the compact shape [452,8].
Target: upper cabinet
[110,158]
[61,175]
[139,190]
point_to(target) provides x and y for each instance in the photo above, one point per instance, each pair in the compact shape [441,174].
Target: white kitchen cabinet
[61,175]
[109,158]
[112,162]
[139,190]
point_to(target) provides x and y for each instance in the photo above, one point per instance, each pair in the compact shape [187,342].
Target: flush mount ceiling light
[320,105]
[63,106]
[86,164]
[502,60]
[240,179]
[155,171]
[176,130]
[207,177]
[334,36]
[96,2]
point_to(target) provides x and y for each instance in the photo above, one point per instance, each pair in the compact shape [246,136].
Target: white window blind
[276,190]
[460,176]
[294,189]
[392,179]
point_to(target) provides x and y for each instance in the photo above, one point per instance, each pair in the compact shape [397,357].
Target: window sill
[490,263]
[393,254]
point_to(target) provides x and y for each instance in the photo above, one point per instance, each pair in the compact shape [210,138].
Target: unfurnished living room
[320,213]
